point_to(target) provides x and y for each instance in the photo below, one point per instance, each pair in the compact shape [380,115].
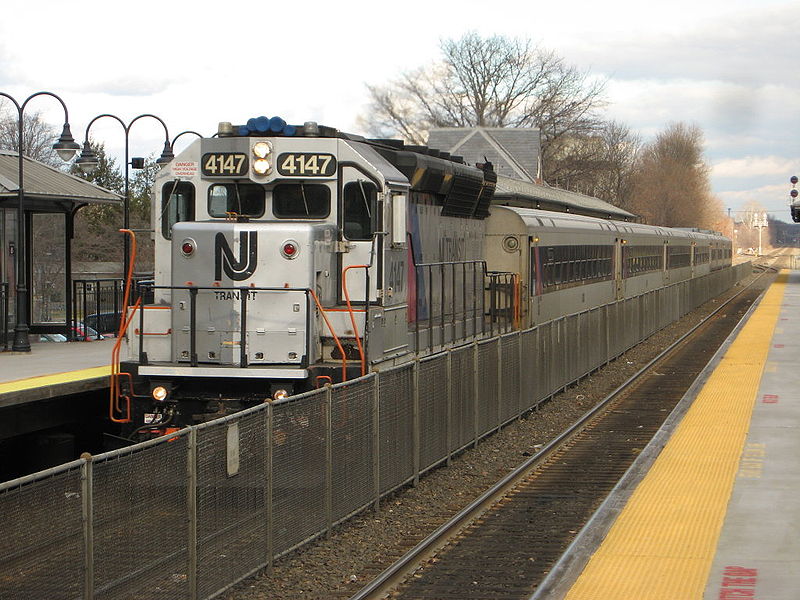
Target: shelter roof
[45,183]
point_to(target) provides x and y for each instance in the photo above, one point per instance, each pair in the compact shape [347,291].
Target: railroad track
[504,544]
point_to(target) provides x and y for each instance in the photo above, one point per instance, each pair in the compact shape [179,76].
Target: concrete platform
[54,369]
[759,546]
[712,507]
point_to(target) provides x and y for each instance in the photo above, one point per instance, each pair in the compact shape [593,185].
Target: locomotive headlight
[261,166]
[262,155]
[262,149]
[160,393]
[280,394]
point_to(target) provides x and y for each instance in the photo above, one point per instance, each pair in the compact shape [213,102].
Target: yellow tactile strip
[663,543]
[54,379]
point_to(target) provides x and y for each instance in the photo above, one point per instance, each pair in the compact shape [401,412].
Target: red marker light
[290,249]
[187,247]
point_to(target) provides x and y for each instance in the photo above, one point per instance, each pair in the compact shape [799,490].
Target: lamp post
[175,139]
[88,161]
[66,148]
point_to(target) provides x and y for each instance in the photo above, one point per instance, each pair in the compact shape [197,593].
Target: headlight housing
[262,157]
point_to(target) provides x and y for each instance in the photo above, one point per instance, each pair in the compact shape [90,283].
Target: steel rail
[395,574]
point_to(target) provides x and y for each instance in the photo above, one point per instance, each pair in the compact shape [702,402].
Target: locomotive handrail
[419,272]
[115,392]
[194,289]
[333,333]
[361,350]
[512,304]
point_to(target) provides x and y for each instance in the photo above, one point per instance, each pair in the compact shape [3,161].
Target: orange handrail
[124,322]
[353,317]
[333,333]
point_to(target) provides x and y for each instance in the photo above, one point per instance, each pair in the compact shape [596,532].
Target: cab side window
[177,204]
[358,206]
[243,199]
[301,201]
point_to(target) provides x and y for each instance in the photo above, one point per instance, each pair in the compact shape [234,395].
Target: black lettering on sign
[233,294]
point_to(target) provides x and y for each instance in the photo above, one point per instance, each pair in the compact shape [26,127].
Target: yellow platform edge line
[28,383]
[662,545]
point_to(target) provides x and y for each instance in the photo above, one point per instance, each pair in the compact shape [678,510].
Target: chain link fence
[189,515]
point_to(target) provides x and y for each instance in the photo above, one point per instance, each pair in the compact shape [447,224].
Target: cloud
[749,48]
[129,86]
[754,166]
[773,198]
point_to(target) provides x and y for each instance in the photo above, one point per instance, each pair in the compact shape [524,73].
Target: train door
[395,286]
[535,281]
[359,220]
[619,269]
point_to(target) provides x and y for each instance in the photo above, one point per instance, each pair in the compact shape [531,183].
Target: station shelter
[51,200]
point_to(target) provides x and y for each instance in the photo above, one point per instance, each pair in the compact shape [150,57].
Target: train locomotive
[288,257]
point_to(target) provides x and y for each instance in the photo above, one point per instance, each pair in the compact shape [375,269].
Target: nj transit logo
[224,260]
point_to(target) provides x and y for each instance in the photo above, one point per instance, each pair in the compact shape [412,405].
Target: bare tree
[37,135]
[671,185]
[599,165]
[490,82]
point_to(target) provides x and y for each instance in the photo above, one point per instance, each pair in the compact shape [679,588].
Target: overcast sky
[728,66]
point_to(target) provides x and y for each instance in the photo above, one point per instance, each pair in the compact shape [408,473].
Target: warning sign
[184,168]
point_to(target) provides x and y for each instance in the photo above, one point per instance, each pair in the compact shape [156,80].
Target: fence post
[500,386]
[328,460]
[606,327]
[565,362]
[191,505]
[415,419]
[520,379]
[449,412]
[268,486]
[87,495]
[96,311]
[376,440]
[475,389]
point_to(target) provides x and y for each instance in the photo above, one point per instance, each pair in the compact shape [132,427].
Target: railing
[243,294]
[97,304]
[442,302]
[5,321]
[461,300]
[224,499]
[504,301]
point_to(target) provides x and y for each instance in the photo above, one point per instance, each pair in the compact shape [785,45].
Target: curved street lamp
[182,133]
[66,147]
[88,161]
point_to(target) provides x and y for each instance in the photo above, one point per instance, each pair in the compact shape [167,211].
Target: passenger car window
[177,204]
[245,199]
